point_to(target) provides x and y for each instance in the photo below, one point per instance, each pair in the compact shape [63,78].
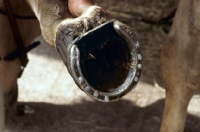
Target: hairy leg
[9,70]
[51,13]
[180,65]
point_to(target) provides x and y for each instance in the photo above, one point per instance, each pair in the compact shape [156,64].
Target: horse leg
[180,65]
[54,14]
[10,70]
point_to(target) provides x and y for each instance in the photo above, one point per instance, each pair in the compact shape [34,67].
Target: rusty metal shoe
[102,54]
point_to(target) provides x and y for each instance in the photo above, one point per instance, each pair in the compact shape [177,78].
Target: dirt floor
[60,106]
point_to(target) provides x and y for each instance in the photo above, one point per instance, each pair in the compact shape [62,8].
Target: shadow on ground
[86,116]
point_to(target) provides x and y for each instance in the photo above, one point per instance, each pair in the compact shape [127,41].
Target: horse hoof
[104,60]
[24,110]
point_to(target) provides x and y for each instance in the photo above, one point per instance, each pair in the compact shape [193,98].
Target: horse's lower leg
[9,76]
